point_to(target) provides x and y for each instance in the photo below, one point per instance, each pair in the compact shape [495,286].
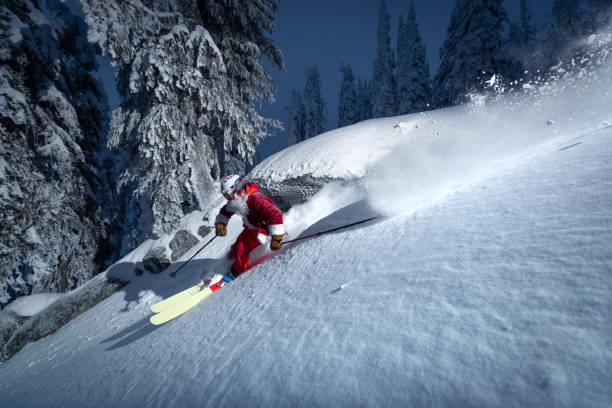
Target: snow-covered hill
[486,283]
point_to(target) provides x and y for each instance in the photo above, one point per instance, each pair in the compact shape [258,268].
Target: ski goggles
[231,195]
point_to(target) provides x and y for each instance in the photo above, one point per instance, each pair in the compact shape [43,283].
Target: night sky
[324,33]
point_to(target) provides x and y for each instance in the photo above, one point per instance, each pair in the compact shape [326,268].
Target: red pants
[241,250]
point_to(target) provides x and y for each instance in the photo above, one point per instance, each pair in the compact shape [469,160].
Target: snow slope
[487,283]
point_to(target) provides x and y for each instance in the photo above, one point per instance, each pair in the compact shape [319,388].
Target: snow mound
[407,162]
[30,305]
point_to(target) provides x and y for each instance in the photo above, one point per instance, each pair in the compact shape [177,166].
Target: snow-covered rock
[28,306]
[182,242]
[204,230]
[49,313]
[291,191]
[9,322]
[156,260]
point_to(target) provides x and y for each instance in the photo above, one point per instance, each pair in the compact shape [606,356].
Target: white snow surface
[488,282]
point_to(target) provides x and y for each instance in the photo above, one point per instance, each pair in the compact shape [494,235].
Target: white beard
[239,206]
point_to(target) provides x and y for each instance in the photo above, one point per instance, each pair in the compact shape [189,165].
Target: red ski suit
[260,218]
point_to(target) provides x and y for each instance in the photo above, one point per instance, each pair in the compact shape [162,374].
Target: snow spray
[449,149]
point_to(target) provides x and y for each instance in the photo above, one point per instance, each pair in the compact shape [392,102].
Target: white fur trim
[246,222]
[221,218]
[262,238]
[276,229]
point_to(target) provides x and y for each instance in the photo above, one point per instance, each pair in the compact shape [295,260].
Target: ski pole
[331,230]
[173,274]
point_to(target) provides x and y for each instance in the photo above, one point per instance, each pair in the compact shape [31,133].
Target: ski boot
[218,281]
[230,276]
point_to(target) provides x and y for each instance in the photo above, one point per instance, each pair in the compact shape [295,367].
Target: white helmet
[231,185]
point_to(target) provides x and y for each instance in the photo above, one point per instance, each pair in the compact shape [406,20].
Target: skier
[260,217]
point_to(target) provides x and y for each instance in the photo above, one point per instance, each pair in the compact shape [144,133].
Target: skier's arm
[221,221]
[276,229]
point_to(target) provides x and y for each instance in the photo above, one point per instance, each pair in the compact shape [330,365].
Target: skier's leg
[243,251]
[235,247]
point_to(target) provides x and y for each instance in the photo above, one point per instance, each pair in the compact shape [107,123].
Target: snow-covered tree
[347,103]
[413,78]
[296,119]
[566,28]
[57,204]
[517,53]
[384,93]
[239,28]
[472,51]
[316,112]
[521,46]
[364,99]
[526,32]
[191,75]
[598,15]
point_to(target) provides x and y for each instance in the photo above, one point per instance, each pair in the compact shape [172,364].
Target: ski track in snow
[497,295]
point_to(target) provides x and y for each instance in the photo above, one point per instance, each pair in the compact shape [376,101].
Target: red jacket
[256,209]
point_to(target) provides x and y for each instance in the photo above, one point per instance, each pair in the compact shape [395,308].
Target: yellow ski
[176,309]
[175,299]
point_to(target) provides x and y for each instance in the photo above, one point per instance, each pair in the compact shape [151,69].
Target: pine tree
[239,28]
[297,117]
[472,51]
[191,75]
[566,28]
[526,33]
[521,46]
[58,206]
[413,77]
[384,93]
[315,105]
[347,104]
[598,15]
[364,99]
[517,53]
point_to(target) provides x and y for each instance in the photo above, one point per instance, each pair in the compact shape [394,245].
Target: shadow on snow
[199,269]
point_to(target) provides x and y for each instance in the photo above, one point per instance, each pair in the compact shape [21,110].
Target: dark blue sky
[324,33]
